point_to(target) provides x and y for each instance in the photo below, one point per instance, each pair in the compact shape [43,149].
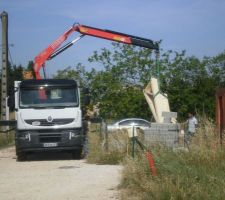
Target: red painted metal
[41,58]
[104,34]
[151,162]
[220,112]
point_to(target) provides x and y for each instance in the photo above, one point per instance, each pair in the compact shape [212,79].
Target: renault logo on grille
[49,119]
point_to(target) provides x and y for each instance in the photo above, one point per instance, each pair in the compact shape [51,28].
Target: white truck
[48,111]
[49,117]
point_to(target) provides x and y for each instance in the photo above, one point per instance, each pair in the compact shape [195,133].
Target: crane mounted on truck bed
[156,106]
[54,48]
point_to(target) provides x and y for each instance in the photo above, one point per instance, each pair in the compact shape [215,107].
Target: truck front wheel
[77,154]
[21,156]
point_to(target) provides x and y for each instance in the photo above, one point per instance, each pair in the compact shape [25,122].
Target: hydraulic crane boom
[54,49]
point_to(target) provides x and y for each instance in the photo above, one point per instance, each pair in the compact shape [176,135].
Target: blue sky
[197,26]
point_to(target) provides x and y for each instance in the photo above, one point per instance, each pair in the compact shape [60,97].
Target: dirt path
[56,177]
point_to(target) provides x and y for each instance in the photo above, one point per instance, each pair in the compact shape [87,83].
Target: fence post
[106,138]
[133,141]
[105,135]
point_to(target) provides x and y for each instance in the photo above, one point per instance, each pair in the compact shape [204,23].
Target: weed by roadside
[100,154]
[197,174]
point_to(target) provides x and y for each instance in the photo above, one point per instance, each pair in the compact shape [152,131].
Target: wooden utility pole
[4,18]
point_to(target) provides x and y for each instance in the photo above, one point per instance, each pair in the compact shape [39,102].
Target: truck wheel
[76,154]
[21,156]
[85,148]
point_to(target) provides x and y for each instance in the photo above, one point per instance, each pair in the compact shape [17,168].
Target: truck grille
[46,138]
[44,122]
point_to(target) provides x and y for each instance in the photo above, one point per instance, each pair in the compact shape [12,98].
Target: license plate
[54,144]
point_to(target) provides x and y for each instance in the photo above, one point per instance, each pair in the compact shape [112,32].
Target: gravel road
[56,177]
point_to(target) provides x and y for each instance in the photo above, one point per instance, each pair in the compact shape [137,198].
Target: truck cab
[49,117]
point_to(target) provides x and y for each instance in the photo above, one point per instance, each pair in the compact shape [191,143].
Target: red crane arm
[41,58]
[53,49]
[118,37]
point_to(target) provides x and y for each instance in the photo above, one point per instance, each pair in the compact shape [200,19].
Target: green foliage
[118,87]
[30,67]
[180,176]
[15,73]
[189,82]
[77,74]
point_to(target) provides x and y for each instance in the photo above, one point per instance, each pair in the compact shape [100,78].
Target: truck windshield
[45,97]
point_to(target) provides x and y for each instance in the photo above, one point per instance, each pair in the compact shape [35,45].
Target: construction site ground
[55,176]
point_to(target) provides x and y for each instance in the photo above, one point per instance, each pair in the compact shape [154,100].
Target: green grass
[118,146]
[197,174]
[97,154]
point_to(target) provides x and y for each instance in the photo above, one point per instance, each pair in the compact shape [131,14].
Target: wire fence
[122,140]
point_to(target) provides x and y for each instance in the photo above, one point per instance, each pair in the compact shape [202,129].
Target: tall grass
[196,174]
[112,151]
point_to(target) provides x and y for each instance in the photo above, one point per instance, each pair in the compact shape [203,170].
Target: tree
[117,89]
[78,74]
[30,67]
[189,82]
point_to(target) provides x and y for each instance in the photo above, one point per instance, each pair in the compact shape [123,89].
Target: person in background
[192,124]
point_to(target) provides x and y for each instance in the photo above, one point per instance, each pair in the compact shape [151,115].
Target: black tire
[77,154]
[85,148]
[21,156]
